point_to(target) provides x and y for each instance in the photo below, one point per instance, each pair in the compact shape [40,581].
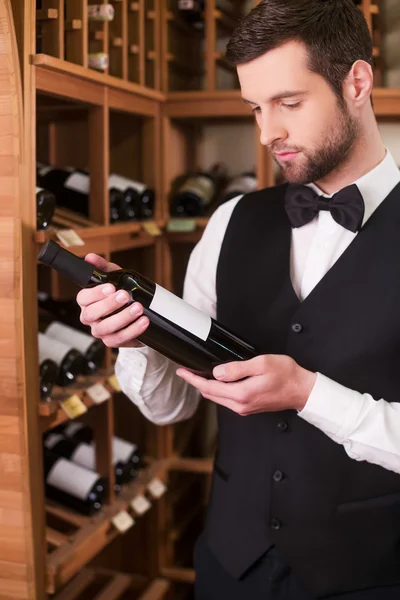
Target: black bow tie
[302,204]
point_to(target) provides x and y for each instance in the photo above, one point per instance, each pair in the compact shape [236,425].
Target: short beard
[333,152]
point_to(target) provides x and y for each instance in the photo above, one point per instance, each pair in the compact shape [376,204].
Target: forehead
[284,67]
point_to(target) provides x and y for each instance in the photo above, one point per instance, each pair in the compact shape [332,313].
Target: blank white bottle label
[98,393]
[72,428]
[140,504]
[53,439]
[157,487]
[52,349]
[78,339]
[85,455]
[122,183]
[123,521]
[181,313]
[122,449]
[78,182]
[71,478]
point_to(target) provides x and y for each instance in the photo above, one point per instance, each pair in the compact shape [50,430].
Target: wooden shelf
[52,412]
[88,535]
[179,574]
[192,465]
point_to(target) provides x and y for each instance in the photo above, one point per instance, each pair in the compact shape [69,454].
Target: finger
[126,335]
[101,309]
[234,371]
[237,391]
[95,294]
[116,322]
[101,263]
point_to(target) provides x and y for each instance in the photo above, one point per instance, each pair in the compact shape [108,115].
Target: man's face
[303,124]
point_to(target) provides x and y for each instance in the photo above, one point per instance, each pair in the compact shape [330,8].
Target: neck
[367,152]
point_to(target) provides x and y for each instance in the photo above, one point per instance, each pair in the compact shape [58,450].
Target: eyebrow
[286,94]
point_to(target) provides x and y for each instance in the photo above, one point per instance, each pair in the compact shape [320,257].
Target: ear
[357,87]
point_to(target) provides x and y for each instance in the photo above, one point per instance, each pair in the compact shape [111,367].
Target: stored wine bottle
[45,206]
[48,375]
[66,311]
[137,195]
[122,450]
[85,455]
[242,184]
[192,11]
[197,192]
[100,12]
[69,359]
[70,484]
[177,330]
[92,350]
[98,60]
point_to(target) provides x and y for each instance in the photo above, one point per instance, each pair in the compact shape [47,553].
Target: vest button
[282,426]
[276,524]
[297,327]
[277,476]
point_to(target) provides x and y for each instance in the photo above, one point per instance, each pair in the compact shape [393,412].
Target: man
[305,500]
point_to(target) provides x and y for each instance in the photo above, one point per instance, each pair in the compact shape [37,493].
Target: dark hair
[334,32]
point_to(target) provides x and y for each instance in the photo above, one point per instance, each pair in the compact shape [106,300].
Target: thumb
[101,263]
[232,371]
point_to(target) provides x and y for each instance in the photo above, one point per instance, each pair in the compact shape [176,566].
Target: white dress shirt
[368,428]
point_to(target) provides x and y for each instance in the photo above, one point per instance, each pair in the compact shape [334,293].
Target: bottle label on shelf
[157,487]
[122,183]
[53,439]
[78,339]
[85,455]
[72,428]
[185,225]
[140,504]
[122,449]
[71,478]
[78,182]
[113,381]
[51,349]
[73,406]
[98,393]
[152,228]
[69,237]
[123,521]
[181,313]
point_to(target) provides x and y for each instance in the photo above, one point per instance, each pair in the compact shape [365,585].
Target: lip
[285,156]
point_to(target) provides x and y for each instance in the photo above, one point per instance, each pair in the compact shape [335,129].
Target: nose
[270,130]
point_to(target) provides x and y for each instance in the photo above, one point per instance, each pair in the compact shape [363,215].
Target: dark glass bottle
[70,484]
[48,375]
[197,192]
[45,206]
[66,311]
[138,197]
[92,350]
[242,184]
[69,360]
[123,451]
[192,11]
[177,330]
[84,455]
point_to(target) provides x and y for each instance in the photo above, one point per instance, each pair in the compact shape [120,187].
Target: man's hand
[116,331]
[273,383]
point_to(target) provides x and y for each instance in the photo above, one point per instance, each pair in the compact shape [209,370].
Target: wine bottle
[98,60]
[45,206]
[48,375]
[242,184]
[73,485]
[197,192]
[66,311]
[92,350]
[192,11]
[68,358]
[122,450]
[85,455]
[100,12]
[177,330]
[137,195]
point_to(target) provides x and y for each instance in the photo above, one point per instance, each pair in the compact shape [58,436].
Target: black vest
[336,520]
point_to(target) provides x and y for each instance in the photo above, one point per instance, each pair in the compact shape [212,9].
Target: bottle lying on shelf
[48,375]
[137,195]
[45,207]
[85,455]
[242,184]
[66,311]
[73,485]
[192,11]
[197,192]
[68,359]
[123,451]
[98,60]
[92,350]
[100,12]
[177,330]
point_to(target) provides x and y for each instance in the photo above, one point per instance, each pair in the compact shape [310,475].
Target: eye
[291,106]
[257,109]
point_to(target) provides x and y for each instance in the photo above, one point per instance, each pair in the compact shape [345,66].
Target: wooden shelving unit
[144,117]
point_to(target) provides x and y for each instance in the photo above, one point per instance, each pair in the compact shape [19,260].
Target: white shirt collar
[375,185]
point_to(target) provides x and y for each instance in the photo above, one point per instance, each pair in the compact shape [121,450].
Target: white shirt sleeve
[148,378]
[368,429]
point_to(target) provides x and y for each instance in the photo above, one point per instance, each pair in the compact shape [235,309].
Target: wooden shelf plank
[157,590]
[97,531]
[115,588]
[181,574]
[78,585]
[193,465]
[77,73]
